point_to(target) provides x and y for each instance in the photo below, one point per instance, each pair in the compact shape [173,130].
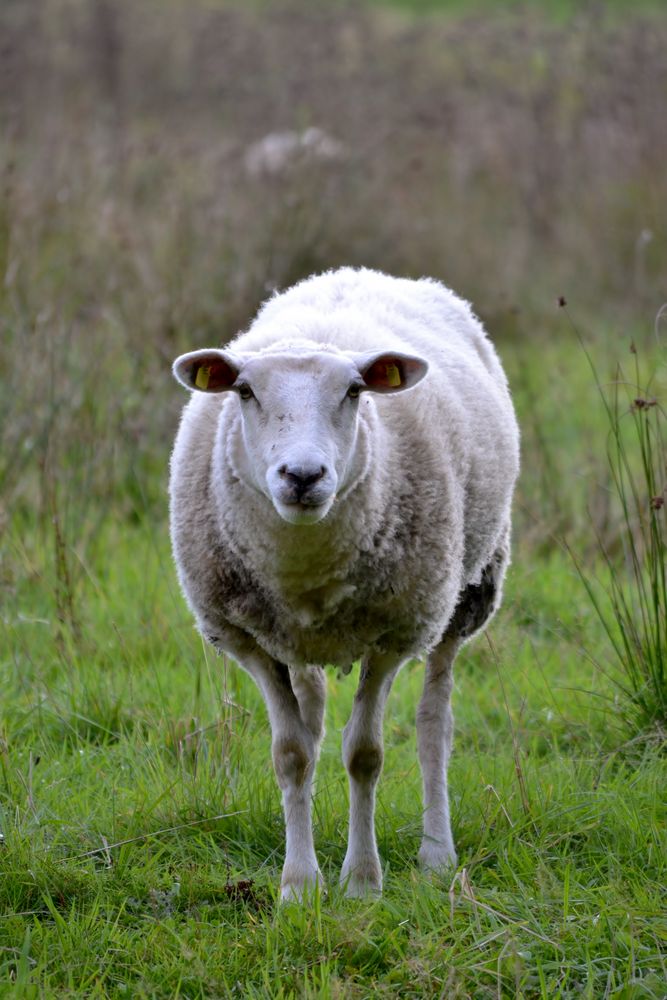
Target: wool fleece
[428,509]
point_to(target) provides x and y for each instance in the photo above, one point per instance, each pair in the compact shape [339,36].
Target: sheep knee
[292,761]
[364,763]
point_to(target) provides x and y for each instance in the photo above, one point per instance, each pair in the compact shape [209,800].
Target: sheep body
[388,563]
[413,551]
[277,152]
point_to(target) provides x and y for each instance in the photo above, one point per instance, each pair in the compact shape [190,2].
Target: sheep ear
[391,372]
[208,370]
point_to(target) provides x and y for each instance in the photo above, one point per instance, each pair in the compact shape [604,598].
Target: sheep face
[299,418]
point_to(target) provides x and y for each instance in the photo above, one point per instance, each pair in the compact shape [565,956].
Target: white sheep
[322,514]
[277,152]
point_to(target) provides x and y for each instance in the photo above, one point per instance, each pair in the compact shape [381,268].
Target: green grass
[137,802]
[633,606]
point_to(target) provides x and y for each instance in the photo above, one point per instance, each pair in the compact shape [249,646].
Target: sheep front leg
[363,755]
[435,724]
[294,749]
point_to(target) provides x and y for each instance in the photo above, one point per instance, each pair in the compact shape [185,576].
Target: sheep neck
[307,565]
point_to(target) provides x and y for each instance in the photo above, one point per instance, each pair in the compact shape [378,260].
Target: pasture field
[143,831]
[519,160]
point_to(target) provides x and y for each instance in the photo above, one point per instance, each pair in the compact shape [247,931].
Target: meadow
[519,157]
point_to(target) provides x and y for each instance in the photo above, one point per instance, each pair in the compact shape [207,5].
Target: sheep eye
[245,392]
[354,390]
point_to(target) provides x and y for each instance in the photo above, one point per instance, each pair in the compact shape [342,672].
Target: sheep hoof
[294,890]
[362,880]
[362,889]
[436,856]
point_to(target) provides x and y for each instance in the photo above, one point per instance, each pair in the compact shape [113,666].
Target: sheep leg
[363,755]
[294,749]
[435,724]
[310,687]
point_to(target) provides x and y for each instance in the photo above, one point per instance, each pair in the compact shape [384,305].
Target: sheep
[277,152]
[340,491]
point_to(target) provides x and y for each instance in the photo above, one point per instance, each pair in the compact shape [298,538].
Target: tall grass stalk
[631,601]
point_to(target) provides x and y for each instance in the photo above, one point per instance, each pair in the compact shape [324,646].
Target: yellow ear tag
[203,375]
[393,376]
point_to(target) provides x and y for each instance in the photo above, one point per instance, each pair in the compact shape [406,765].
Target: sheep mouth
[303,511]
[304,499]
[307,503]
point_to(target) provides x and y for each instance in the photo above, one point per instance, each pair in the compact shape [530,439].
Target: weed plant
[631,600]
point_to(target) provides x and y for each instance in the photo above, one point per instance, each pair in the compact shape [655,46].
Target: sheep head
[299,416]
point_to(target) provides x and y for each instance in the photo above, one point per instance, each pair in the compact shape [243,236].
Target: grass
[143,834]
[632,605]
[142,831]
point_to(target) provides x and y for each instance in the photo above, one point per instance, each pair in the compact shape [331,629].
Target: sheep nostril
[305,477]
[301,477]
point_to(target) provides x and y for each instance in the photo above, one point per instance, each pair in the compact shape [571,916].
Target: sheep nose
[302,477]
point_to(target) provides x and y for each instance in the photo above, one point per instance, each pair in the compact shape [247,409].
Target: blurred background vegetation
[515,152]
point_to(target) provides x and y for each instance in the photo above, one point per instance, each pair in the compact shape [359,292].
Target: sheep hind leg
[363,754]
[435,726]
[310,687]
[435,722]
